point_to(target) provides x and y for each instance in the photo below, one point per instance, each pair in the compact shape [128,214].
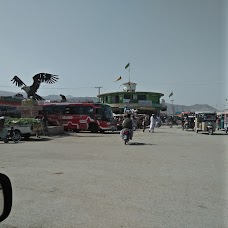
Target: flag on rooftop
[118,79]
[171,94]
[127,65]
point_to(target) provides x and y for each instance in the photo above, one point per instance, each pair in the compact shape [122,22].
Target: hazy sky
[172,45]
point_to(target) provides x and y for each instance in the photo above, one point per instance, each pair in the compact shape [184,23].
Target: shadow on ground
[112,133]
[215,133]
[139,144]
[35,139]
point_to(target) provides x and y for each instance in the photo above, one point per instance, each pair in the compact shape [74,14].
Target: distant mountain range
[71,98]
[55,97]
[177,108]
[191,108]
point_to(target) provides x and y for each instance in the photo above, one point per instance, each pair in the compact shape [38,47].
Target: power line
[90,87]
[55,87]
[68,88]
[190,84]
[6,86]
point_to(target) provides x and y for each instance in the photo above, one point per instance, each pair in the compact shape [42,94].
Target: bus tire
[93,128]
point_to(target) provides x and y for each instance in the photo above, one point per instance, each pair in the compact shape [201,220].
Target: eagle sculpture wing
[43,77]
[37,97]
[18,81]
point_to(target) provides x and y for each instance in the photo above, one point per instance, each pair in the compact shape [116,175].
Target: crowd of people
[141,121]
[135,121]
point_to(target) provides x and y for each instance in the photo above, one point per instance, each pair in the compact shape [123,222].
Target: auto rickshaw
[205,122]
[226,121]
[222,121]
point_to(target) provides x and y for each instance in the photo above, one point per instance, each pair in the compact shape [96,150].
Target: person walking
[144,122]
[159,121]
[152,123]
[171,121]
[45,125]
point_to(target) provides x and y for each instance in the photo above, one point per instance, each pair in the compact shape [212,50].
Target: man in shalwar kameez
[152,123]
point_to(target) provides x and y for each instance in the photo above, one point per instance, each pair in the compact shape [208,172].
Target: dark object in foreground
[5,197]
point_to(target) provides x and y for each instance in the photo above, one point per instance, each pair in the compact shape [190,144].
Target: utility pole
[99,89]
[172,106]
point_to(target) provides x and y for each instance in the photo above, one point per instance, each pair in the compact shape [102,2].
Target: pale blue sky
[172,45]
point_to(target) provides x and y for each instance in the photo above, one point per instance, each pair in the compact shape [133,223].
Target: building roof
[161,94]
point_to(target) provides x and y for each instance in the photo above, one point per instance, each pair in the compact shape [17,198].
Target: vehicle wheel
[93,128]
[17,132]
[26,136]
[16,138]
[210,131]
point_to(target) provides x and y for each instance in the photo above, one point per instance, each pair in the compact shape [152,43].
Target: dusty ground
[171,178]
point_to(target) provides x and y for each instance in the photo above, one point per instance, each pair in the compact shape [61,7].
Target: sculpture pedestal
[29,108]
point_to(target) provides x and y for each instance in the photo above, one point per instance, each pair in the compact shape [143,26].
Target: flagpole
[172,100]
[173,105]
[129,72]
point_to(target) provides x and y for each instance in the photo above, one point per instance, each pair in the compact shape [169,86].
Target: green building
[129,98]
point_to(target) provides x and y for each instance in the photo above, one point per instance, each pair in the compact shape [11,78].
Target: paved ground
[171,178]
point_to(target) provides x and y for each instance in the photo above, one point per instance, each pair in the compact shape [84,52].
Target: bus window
[98,111]
[46,110]
[88,110]
[61,109]
[77,110]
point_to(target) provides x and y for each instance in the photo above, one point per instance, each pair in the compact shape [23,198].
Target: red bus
[92,117]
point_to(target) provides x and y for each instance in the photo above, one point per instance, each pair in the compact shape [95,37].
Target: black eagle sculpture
[63,98]
[37,80]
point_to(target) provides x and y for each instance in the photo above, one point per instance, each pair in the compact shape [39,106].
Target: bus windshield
[105,112]
[108,112]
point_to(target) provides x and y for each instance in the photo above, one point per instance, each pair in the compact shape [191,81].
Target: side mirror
[5,197]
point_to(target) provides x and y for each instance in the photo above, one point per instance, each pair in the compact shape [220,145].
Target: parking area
[170,178]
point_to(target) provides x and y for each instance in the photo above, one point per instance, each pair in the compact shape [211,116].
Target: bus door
[58,114]
[78,122]
[88,115]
